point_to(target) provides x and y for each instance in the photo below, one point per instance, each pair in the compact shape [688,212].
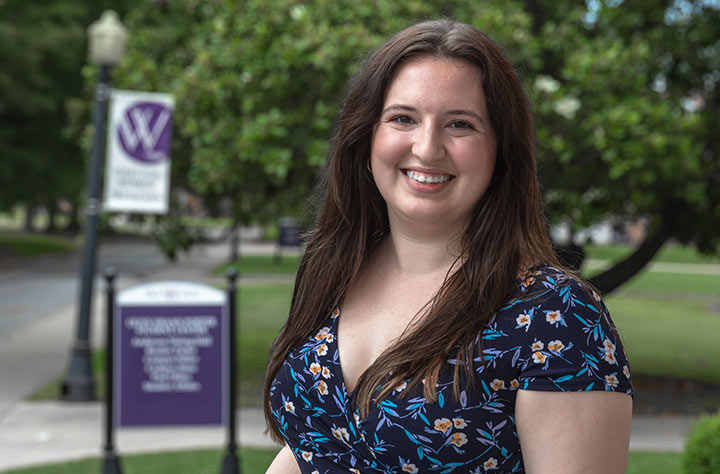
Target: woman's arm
[572,432]
[284,463]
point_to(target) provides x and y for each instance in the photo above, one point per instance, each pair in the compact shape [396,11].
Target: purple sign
[170,363]
[144,130]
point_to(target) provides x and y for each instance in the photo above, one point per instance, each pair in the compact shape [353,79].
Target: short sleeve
[571,343]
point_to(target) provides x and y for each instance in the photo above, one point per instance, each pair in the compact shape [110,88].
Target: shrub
[702,451]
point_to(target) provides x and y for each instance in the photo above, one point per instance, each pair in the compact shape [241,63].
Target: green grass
[669,253]
[669,337]
[674,285]
[253,461]
[256,461]
[263,264]
[28,245]
[654,463]
[262,309]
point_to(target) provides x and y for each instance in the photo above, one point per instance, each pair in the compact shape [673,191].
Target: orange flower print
[326,372]
[340,433]
[497,384]
[556,346]
[290,406]
[336,313]
[459,423]
[553,317]
[354,471]
[400,387]
[537,345]
[406,467]
[539,357]
[459,439]
[321,350]
[514,384]
[307,456]
[609,357]
[330,337]
[315,472]
[443,424]
[491,463]
[315,368]
[356,415]
[322,334]
[608,345]
[626,371]
[611,381]
[322,387]
[523,320]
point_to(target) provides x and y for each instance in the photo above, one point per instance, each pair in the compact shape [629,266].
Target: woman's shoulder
[563,332]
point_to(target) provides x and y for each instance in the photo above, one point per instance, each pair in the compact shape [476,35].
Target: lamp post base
[111,464]
[230,464]
[78,384]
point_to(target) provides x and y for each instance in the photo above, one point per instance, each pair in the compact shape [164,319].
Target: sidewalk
[34,433]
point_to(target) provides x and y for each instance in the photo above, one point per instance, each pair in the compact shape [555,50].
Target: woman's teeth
[420,178]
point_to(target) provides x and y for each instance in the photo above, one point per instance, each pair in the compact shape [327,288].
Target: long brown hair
[506,231]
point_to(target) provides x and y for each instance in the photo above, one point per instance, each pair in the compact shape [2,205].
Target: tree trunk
[29,216]
[612,278]
[52,218]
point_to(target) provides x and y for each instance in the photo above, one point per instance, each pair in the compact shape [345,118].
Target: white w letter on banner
[142,134]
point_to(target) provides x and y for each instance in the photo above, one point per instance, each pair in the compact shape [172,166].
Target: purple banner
[170,363]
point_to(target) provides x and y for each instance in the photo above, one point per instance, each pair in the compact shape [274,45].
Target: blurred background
[625,96]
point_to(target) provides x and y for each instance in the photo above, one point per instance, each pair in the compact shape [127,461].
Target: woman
[431,327]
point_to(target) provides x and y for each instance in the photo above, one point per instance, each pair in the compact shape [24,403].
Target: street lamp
[106,46]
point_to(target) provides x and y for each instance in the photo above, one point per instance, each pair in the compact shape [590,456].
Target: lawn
[263,265]
[256,461]
[669,253]
[28,245]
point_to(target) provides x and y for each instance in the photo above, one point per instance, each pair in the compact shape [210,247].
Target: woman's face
[433,150]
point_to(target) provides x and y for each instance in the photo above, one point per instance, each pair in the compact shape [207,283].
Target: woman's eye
[460,124]
[403,119]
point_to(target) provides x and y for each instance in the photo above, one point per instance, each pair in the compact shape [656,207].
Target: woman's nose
[428,143]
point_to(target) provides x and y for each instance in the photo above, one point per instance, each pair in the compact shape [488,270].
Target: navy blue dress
[552,335]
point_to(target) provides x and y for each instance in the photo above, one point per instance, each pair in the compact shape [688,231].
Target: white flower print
[523,321]
[626,371]
[306,455]
[497,384]
[322,349]
[407,467]
[340,433]
[537,345]
[459,439]
[290,407]
[443,424]
[553,317]
[326,372]
[611,381]
[459,423]
[491,463]
[539,357]
[556,346]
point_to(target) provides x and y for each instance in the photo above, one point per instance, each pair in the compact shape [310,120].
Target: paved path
[34,350]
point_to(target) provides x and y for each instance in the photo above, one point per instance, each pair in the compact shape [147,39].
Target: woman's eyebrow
[465,112]
[399,108]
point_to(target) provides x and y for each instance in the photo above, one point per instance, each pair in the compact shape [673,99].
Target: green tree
[42,51]
[624,94]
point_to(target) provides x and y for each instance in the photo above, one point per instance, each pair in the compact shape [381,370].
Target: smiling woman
[431,326]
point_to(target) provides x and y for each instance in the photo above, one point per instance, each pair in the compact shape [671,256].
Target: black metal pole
[78,384]
[231,463]
[111,462]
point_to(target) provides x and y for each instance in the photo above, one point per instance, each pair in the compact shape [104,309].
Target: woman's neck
[407,255]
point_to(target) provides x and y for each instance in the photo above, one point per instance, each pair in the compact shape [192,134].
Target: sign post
[171,355]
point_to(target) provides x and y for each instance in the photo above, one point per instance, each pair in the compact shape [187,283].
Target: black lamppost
[106,47]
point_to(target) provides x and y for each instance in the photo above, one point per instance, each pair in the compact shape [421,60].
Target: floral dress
[553,335]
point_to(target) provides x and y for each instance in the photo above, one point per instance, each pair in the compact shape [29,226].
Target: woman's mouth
[427,178]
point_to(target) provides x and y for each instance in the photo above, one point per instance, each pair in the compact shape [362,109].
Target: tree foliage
[42,51]
[625,97]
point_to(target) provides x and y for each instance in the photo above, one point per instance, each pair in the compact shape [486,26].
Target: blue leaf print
[441,400]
